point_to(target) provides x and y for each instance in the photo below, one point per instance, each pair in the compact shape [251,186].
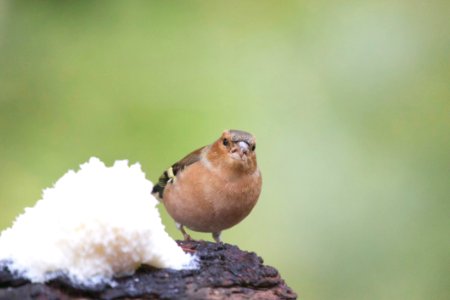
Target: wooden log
[225,272]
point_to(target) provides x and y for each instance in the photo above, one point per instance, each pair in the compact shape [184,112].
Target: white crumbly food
[94,224]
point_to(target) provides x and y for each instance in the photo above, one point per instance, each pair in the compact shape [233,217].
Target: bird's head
[237,148]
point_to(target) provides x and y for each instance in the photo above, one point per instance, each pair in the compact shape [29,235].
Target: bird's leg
[186,236]
[216,236]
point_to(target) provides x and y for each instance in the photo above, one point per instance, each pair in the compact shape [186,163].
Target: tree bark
[225,272]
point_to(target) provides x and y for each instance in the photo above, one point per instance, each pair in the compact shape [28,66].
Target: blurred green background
[349,101]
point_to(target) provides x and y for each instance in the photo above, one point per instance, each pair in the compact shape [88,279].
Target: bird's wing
[170,174]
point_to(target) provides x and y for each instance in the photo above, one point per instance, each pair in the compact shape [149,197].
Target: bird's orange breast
[207,200]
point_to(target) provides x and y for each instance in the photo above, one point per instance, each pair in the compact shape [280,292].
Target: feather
[169,175]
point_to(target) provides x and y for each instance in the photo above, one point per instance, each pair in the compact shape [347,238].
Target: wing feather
[170,174]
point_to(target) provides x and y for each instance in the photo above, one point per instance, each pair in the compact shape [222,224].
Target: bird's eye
[225,142]
[253,147]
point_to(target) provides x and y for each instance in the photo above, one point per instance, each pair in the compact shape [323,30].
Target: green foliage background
[349,101]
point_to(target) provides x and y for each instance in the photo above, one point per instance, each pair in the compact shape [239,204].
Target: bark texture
[225,272]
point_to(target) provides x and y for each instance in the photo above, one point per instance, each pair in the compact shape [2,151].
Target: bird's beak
[240,151]
[243,149]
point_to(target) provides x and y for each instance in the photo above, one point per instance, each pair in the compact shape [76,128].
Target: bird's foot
[187,237]
[216,236]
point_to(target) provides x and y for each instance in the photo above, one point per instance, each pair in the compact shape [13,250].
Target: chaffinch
[213,188]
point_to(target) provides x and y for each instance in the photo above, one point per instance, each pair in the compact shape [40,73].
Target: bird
[214,187]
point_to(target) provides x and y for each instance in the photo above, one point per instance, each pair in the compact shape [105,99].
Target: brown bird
[214,187]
